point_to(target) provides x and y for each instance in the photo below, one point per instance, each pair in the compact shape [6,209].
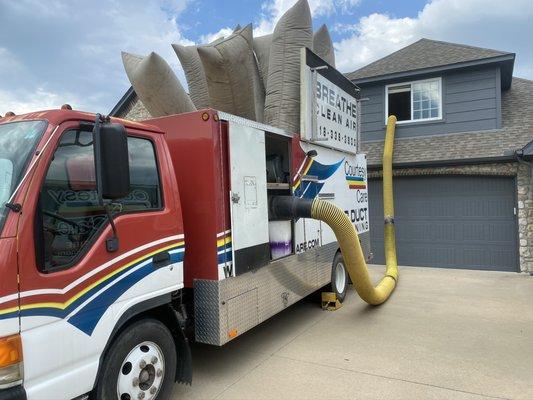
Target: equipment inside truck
[278,161]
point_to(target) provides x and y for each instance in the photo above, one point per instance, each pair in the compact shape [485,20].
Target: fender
[160,308]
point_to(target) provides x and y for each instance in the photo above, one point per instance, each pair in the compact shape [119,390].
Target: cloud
[211,37]
[61,48]
[503,26]
[27,101]
[272,11]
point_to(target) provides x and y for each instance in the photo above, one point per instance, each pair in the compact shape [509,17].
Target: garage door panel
[489,233]
[449,222]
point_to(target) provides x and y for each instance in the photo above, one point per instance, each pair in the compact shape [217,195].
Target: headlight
[11,371]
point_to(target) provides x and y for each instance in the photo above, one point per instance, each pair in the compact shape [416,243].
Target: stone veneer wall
[136,111]
[521,172]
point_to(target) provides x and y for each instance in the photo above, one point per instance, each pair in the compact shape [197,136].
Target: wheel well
[166,314]
[169,317]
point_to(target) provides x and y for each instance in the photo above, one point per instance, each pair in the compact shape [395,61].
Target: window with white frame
[415,101]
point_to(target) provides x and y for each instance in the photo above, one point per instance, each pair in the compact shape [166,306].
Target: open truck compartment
[244,265]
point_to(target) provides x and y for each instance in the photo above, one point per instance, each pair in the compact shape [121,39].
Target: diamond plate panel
[207,308]
[245,301]
[282,283]
[240,312]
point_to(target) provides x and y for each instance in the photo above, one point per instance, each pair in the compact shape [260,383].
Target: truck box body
[224,194]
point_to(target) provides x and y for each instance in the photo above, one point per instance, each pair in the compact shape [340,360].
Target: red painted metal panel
[198,149]
[297,158]
[8,271]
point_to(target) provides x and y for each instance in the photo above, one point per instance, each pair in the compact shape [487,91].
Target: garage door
[449,222]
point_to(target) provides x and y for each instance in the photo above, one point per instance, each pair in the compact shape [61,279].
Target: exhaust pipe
[288,207]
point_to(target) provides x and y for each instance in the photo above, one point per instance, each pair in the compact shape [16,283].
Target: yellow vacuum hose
[347,237]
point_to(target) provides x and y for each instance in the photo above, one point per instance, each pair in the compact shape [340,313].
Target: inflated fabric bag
[232,76]
[194,74]
[157,86]
[262,53]
[323,45]
[132,61]
[292,32]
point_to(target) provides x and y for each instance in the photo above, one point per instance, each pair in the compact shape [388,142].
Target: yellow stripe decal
[62,306]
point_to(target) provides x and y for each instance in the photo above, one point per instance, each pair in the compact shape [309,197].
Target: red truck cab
[59,280]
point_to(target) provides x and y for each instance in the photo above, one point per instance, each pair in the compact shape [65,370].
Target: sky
[54,52]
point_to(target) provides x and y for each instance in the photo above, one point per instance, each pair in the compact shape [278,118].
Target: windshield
[17,143]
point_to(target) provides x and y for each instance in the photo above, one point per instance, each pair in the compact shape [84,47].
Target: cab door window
[69,214]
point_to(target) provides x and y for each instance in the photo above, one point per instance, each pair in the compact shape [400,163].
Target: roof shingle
[423,54]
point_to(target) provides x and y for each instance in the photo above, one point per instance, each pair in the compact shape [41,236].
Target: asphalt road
[444,334]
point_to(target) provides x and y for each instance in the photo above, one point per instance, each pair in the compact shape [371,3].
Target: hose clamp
[389,219]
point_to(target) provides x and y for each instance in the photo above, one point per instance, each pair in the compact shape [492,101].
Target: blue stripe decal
[225,257]
[13,314]
[88,317]
[309,190]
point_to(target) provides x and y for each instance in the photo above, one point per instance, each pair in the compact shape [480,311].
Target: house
[463,178]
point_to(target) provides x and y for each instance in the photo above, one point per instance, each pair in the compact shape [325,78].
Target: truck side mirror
[112,161]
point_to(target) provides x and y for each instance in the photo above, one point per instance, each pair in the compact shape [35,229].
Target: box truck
[122,241]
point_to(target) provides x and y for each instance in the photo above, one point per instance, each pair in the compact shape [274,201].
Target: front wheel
[339,277]
[140,364]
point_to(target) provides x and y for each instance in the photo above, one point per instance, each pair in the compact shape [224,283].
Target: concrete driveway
[444,334]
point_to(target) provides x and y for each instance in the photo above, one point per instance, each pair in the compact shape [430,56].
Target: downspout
[293,207]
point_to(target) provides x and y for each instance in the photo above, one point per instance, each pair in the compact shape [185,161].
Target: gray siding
[471,102]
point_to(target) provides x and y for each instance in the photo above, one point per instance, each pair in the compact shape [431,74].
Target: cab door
[73,290]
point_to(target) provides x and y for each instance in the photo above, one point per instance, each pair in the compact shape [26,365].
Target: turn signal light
[10,351]
[11,369]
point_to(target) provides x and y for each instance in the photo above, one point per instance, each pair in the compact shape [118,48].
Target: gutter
[449,163]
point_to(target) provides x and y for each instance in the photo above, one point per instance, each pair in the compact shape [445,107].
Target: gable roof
[427,54]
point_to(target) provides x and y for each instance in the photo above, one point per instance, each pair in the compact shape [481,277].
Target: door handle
[161,260]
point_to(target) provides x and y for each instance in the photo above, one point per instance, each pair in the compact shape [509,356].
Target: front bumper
[14,393]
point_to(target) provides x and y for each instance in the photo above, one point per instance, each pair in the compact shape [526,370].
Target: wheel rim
[141,373]
[340,277]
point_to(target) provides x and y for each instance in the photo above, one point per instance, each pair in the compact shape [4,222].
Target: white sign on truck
[329,105]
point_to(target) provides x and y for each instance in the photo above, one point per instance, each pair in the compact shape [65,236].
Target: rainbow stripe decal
[85,309]
[224,247]
[355,182]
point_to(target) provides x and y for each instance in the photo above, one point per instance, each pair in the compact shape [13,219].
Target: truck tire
[140,364]
[339,277]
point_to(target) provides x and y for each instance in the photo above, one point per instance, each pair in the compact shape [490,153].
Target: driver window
[70,216]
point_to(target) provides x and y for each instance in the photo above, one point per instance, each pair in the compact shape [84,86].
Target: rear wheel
[339,277]
[140,364]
